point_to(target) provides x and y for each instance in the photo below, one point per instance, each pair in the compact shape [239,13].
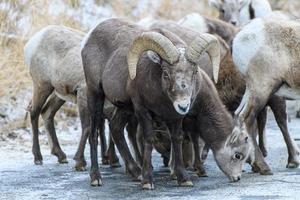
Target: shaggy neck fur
[214,122]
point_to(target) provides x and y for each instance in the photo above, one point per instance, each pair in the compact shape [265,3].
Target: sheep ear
[215,3]
[239,134]
[154,57]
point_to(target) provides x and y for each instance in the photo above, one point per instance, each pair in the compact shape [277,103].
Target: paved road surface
[20,179]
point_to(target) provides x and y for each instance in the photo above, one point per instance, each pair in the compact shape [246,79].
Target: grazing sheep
[153,75]
[54,61]
[241,12]
[269,67]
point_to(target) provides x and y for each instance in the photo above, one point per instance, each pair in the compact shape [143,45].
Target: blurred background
[19,19]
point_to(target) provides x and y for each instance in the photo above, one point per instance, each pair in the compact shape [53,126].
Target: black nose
[182,108]
[239,178]
[233,23]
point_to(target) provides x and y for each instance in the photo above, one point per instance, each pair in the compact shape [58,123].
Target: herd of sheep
[183,88]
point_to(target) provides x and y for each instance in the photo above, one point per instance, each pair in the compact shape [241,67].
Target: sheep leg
[95,108]
[40,96]
[103,143]
[278,106]
[198,163]
[132,135]
[258,164]
[48,112]
[85,122]
[111,153]
[183,178]
[140,141]
[188,152]
[252,103]
[146,128]
[205,150]
[261,124]
[117,125]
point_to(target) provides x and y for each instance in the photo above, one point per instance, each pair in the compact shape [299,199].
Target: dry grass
[14,75]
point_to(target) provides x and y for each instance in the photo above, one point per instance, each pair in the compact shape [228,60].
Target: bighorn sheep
[231,87]
[240,12]
[269,67]
[54,61]
[153,75]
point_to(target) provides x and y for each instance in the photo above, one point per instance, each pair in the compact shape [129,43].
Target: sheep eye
[238,156]
[222,10]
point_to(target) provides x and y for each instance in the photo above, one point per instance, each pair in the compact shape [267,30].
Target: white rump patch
[32,45]
[247,43]
[194,21]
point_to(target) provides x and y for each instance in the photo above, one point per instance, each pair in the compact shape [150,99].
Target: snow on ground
[21,179]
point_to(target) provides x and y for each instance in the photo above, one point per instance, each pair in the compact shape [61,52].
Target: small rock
[2,115]
[12,135]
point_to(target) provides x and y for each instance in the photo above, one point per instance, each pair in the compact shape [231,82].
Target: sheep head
[234,153]
[177,61]
[230,10]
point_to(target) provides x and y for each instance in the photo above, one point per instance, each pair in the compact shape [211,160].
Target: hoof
[80,165]
[96,183]
[105,161]
[292,165]
[63,161]
[186,184]
[266,172]
[202,174]
[200,171]
[255,169]
[148,186]
[38,162]
[139,178]
[80,168]
[115,165]
[173,176]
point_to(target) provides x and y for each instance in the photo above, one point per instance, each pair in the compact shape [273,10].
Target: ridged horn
[150,41]
[206,43]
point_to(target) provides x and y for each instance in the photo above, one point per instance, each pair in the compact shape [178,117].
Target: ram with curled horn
[152,75]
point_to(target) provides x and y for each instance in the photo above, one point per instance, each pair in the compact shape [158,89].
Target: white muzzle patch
[182,106]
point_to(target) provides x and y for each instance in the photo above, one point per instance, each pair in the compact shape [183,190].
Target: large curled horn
[206,43]
[150,41]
